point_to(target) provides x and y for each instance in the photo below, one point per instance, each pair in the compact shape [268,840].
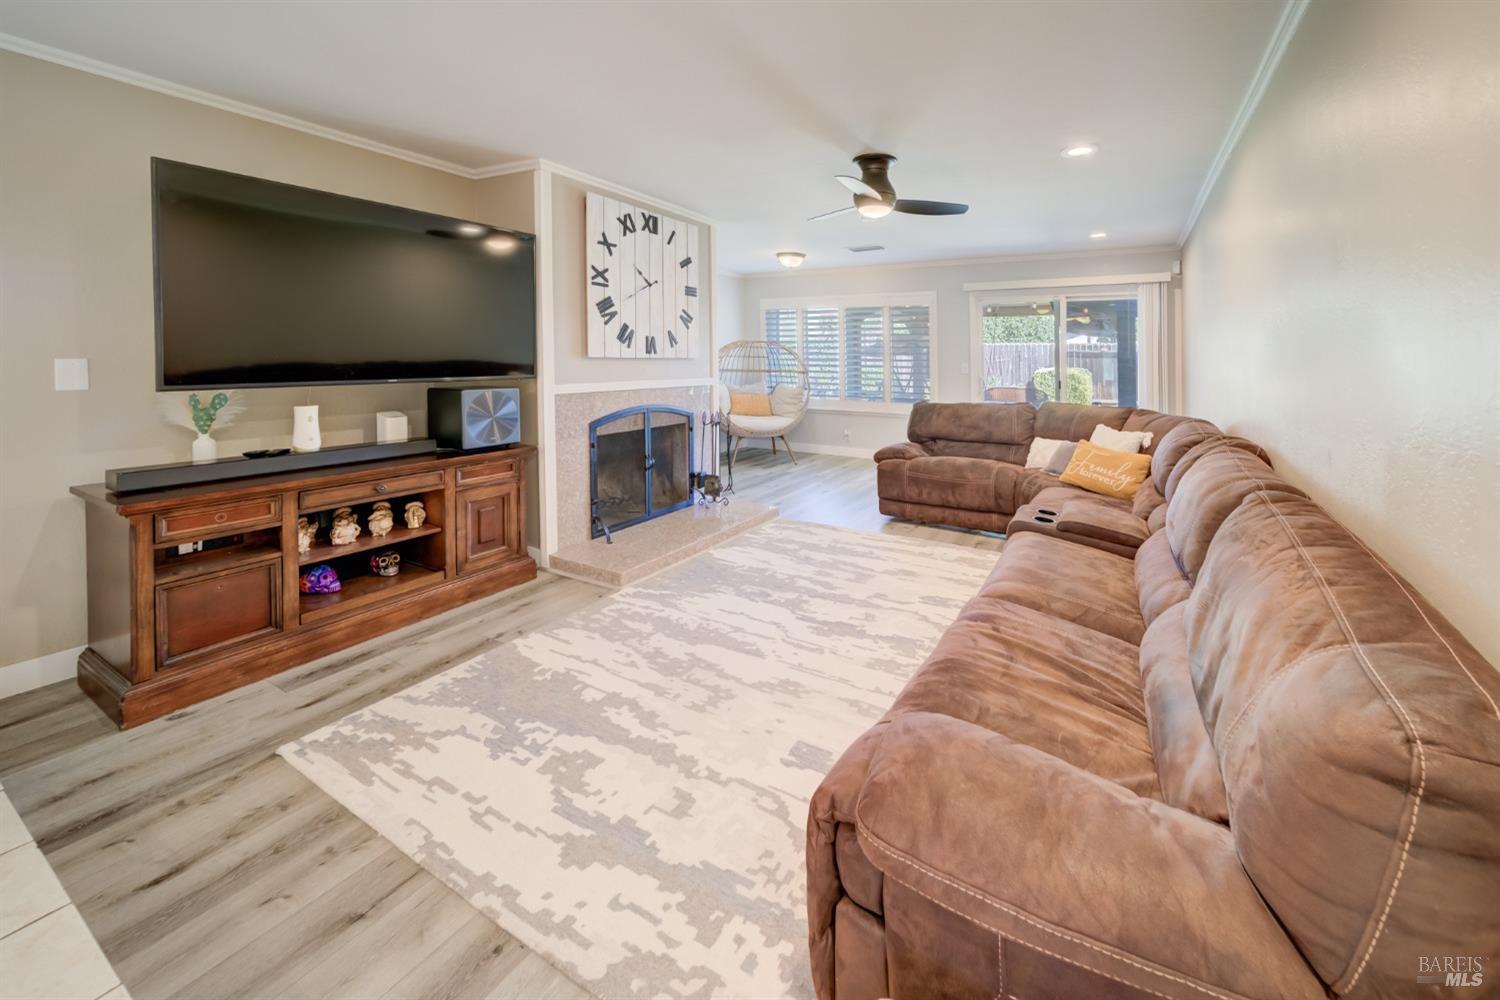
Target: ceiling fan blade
[856,185]
[914,206]
[829,215]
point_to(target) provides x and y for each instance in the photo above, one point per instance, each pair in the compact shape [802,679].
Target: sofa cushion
[1159,424]
[1076,583]
[1102,521]
[1212,445]
[1146,499]
[1075,422]
[1168,449]
[1068,690]
[1187,768]
[998,431]
[966,483]
[1054,494]
[1359,739]
[1208,493]
[1159,581]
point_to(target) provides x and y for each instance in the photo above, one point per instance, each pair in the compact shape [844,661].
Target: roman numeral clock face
[642,281]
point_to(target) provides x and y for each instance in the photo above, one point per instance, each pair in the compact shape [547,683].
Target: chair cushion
[1067,690]
[788,400]
[1076,583]
[759,426]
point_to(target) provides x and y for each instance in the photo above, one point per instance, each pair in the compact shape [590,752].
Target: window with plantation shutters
[868,352]
[864,353]
[911,354]
[820,351]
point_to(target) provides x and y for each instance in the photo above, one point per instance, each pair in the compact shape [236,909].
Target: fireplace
[640,466]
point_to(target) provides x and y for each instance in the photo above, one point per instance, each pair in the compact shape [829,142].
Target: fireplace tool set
[710,486]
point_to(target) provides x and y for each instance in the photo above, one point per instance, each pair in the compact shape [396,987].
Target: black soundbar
[161,477]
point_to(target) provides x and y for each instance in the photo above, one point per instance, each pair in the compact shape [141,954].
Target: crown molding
[595,181]
[961,262]
[47,53]
[1286,27]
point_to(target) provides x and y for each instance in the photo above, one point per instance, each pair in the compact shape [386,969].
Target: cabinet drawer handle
[380,487]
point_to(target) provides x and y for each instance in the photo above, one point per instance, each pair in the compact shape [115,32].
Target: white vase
[205,449]
[305,436]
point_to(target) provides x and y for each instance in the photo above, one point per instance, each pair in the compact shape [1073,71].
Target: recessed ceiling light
[1097,236]
[790,258]
[499,244]
[471,229]
[1082,149]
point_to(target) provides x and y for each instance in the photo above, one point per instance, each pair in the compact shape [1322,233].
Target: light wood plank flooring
[207,867]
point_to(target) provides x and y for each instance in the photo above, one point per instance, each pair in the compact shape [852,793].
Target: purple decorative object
[321,579]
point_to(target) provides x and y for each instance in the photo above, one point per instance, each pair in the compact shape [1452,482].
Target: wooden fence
[1014,364]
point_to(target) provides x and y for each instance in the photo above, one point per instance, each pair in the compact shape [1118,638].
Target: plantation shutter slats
[911,354]
[864,353]
[869,354]
[820,352]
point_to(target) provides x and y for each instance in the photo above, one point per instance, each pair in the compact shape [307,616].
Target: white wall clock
[642,282]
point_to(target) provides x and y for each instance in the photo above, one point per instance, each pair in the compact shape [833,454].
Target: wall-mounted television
[265,284]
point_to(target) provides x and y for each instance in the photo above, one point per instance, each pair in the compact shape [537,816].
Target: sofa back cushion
[1208,493]
[1215,443]
[1075,422]
[1168,448]
[1359,742]
[998,431]
[1187,768]
[1157,424]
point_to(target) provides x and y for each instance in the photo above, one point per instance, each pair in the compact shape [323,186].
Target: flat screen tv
[264,284]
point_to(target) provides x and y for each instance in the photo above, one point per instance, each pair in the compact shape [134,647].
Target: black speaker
[482,417]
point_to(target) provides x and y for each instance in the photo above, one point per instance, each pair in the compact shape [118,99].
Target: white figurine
[416,514]
[306,532]
[345,527]
[381,520]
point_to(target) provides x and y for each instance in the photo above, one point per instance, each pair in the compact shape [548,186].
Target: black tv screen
[262,284]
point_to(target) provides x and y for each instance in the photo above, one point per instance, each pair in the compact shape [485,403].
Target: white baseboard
[798,447]
[18,678]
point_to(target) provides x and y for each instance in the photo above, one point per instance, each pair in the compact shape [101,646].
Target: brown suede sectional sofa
[1248,761]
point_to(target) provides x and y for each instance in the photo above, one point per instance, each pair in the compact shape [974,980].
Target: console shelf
[325,551]
[167,630]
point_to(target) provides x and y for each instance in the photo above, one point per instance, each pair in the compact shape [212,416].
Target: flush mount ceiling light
[790,258]
[471,229]
[1097,236]
[1081,150]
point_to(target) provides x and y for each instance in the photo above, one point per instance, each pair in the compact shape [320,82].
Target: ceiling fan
[874,198]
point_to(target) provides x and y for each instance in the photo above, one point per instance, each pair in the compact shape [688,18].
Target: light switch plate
[70,374]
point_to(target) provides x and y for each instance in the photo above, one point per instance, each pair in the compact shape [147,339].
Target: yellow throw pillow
[1110,473]
[750,404]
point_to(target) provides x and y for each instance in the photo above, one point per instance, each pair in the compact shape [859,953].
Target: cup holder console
[1043,519]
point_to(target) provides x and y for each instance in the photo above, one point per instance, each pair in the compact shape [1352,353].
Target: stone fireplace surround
[574,412]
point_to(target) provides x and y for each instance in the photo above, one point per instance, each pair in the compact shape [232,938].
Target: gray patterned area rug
[626,791]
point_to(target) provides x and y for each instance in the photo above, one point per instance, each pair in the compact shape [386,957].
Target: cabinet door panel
[489,528]
[200,614]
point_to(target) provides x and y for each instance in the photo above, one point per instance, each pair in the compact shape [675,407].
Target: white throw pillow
[1042,450]
[787,400]
[1131,442]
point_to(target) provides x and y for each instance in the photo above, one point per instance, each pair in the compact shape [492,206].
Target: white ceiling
[745,111]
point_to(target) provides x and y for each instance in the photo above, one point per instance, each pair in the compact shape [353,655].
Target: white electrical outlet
[70,374]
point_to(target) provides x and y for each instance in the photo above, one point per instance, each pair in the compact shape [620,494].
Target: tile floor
[46,950]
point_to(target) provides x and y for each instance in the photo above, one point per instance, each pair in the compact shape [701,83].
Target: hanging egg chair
[763,392]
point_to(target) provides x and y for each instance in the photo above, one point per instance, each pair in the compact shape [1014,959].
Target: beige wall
[1343,288]
[569,262]
[75,281]
[866,432]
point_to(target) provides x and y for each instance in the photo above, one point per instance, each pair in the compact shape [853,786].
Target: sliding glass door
[1078,347]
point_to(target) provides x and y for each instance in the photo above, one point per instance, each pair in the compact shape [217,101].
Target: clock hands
[647,285]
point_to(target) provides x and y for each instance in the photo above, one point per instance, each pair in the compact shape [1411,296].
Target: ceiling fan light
[790,258]
[873,208]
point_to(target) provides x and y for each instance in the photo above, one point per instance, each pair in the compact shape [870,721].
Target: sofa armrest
[1106,522]
[1077,871]
[904,451]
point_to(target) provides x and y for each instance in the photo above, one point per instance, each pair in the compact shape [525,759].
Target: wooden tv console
[168,628]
